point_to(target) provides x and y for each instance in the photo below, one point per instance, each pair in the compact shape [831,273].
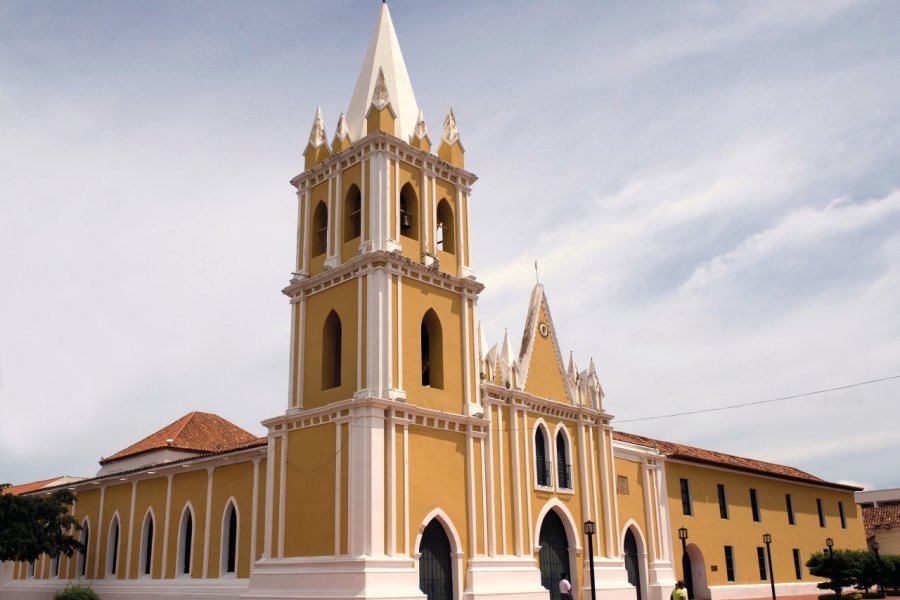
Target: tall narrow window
[147,545]
[723,501]
[112,549]
[761,559]
[185,542]
[29,571]
[789,505]
[54,566]
[540,456]
[798,570]
[729,563]
[445,239]
[320,230]
[686,507]
[409,210]
[352,214]
[754,505]
[821,512]
[331,352]
[229,539]
[432,351]
[85,539]
[563,468]
[843,517]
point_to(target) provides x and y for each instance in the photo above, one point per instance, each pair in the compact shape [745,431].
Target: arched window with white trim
[146,564]
[112,547]
[331,351]
[229,539]
[185,542]
[563,465]
[320,230]
[445,240]
[432,346]
[85,539]
[541,457]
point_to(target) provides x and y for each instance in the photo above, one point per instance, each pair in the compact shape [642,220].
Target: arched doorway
[632,562]
[554,555]
[694,566]
[688,574]
[435,563]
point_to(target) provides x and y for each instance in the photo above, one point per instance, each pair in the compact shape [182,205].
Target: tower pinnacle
[383,60]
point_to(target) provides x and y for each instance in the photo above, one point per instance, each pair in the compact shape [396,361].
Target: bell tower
[383,351]
[383,297]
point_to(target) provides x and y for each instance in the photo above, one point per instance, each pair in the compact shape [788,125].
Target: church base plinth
[335,579]
[503,578]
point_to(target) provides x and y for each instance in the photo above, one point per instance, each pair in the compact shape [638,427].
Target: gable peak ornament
[451,132]
[317,134]
[380,96]
[342,132]
[420,131]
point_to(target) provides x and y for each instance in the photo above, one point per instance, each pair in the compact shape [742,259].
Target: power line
[742,405]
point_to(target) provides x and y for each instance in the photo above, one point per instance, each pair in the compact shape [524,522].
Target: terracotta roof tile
[25,488]
[710,457]
[880,517]
[196,431]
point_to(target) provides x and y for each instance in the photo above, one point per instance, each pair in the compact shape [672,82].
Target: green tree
[891,571]
[32,525]
[839,568]
[871,570]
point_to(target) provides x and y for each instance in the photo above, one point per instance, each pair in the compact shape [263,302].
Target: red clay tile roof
[25,488]
[194,432]
[880,517]
[719,459]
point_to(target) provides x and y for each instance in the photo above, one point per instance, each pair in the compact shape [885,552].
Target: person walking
[565,588]
[679,593]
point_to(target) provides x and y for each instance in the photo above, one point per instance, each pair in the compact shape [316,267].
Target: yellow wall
[309,529]
[711,533]
[545,378]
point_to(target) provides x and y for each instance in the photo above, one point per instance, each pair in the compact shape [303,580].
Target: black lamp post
[874,548]
[830,543]
[590,528]
[686,573]
[767,539]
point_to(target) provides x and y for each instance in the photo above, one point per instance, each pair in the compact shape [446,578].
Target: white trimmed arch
[549,450]
[182,547]
[223,546]
[570,460]
[149,517]
[85,538]
[643,559]
[572,533]
[111,548]
[456,553]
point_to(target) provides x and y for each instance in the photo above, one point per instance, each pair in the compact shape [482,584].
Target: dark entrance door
[688,574]
[435,571]
[554,556]
[631,562]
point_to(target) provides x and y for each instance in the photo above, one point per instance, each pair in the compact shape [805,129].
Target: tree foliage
[32,525]
[838,568]
[76,592]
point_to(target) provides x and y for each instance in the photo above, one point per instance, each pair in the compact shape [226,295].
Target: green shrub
[76,592]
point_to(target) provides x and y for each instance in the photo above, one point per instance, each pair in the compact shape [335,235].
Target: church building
[414,459]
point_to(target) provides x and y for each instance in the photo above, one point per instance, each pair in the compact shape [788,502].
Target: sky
[711,191]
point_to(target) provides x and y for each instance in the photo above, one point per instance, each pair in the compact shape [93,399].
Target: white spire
[341,131]
[384,57]
[451,132]
[317,134]
[420,131]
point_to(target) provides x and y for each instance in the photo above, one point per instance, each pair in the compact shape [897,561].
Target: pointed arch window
[229,539]
[112,549]
[445,240]
[542,462]
[320,229]
[409,211]
[147,545]
[185,542]
[563,468]
[331,352]
[432,351]
[352,214]
[85,539]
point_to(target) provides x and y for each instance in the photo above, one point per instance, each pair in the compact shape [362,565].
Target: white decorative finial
[341,132]
[317,135]
[420,131]
[380,96]
[451,133]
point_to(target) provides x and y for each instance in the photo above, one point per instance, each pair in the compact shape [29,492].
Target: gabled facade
[412,459]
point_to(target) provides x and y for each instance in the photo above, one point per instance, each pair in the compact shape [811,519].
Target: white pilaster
[130,528]
[166,519]
[208,521]
[366,482]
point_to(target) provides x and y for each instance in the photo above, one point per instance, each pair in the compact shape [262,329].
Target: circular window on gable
[542,328]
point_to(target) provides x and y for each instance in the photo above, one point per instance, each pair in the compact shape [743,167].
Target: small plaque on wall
[714,568]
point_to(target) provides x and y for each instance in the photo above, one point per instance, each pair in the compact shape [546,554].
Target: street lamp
[767,539]
[685,562]
[830,543]
[874,547]
[590,528]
